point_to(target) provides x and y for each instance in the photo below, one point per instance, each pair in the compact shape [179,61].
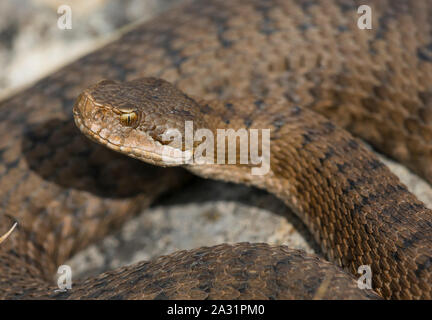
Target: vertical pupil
[128,118]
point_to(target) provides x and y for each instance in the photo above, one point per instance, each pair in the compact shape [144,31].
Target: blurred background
[31,44]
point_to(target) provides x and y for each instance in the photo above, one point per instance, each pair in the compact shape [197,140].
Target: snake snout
[80,108]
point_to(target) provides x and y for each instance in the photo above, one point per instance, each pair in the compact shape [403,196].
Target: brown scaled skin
[318,169]
[67,192]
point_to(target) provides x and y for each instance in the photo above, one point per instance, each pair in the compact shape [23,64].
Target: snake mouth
[147,150]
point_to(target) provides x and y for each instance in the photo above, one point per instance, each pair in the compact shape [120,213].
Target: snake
[80,150]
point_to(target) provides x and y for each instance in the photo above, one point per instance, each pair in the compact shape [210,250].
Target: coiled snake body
[254,64]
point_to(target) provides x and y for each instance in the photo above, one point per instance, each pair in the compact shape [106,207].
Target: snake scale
[299,67]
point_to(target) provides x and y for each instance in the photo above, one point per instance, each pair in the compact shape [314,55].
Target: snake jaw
[7,234]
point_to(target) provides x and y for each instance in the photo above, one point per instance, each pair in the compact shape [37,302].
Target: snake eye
[128,119]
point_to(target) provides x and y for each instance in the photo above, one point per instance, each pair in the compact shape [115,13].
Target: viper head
[137,118]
